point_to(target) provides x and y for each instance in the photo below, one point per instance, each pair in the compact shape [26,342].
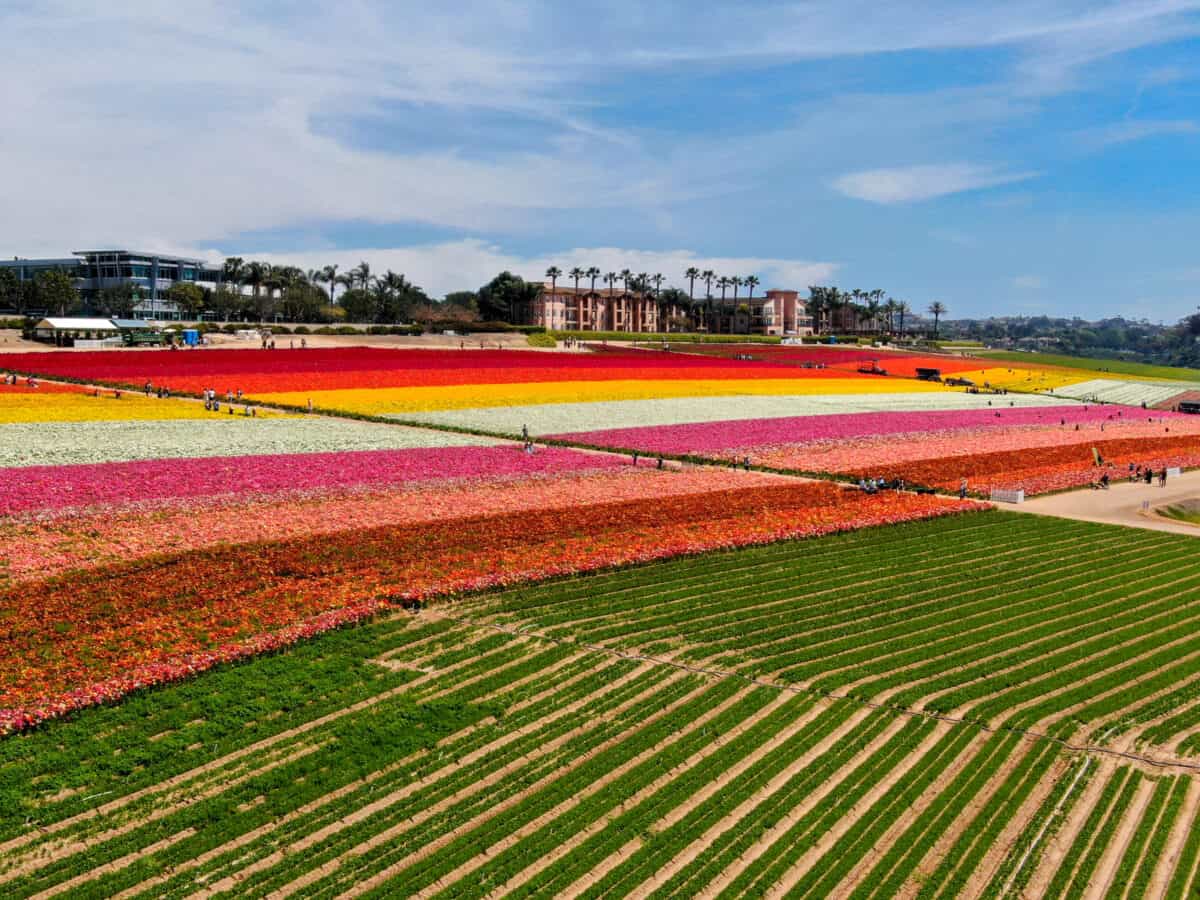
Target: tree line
[260,291]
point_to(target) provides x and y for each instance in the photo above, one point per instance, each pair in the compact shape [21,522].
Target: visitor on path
[962,488]
[303,343]
[1162,477]
[746,463]
[635,457]
[524,432]
[1104,481]
[310,406]
[660,462]
[292,344]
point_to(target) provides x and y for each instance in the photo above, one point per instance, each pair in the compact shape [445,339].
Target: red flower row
[1043,469]
[266,371]
[94,635]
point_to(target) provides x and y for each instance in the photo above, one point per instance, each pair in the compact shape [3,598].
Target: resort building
[151,273]
[562,308]
[566,309]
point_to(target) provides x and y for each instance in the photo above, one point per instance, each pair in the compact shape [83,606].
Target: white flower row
[559,418]
[66,443]
[1132,393]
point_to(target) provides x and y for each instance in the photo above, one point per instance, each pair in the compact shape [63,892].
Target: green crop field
[991,705]
[1114,366]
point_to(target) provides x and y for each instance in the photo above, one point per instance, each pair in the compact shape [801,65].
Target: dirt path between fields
[1121,504]
[1130,756]
[1184,823]
[1101,881]
[425,850]
[396,796]
[533,826]
[1060,843]
[680,860]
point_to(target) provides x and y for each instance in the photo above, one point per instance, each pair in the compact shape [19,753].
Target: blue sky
[1013,158]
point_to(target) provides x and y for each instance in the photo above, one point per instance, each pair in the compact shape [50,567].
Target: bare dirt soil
[1122,504]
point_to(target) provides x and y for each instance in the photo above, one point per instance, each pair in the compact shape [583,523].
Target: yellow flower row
[1018,379]
[82,407]
[395,401]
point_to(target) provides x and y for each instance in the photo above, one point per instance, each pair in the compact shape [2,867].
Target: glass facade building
[152,273]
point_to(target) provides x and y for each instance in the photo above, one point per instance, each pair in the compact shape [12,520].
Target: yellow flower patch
[394,401]
[84,407]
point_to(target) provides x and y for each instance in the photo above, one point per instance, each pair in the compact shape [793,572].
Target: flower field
[190,597]
[986,705]
[1037,449]
[291,654]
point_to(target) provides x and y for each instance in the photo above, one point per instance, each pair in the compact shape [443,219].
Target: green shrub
[541,340]
[301,329]
[681,338]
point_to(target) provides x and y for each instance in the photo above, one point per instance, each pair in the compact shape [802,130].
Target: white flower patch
[67,443]
[560,418]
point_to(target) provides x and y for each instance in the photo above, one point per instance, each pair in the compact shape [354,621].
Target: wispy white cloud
[1136,130]
[912,183]
[467,264]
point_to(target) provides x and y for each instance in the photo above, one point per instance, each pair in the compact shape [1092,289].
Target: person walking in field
[1149,475]
[1162,477]
[962,488]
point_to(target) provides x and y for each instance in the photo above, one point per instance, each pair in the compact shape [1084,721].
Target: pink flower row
[39,548]
[57,488]
[857,454]
[747,434]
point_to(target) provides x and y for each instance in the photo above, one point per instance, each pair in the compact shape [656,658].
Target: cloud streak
[909,184]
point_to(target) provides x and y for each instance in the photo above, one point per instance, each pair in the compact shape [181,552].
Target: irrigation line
[1045,826]
[529,631]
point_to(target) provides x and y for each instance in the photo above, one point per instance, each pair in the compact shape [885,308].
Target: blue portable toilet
[191,336]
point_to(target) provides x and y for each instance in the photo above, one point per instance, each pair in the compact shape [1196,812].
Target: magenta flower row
[54,488]
[717,437]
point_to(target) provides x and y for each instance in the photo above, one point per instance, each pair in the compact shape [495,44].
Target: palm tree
[234,270]
[874,308]
[553,273]
[362,272]
[610,279]
[254,275]
[815,305]
[724,284]
[626,277]
[937,309]
[593,273]
[902,308]
[835,302]
[890,309]
[330,276]
[691,273]
[576,274]
[751,281]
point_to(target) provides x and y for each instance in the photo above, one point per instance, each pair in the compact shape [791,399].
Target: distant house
[65,331]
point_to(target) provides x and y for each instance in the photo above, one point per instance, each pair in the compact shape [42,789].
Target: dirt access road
[1121,504]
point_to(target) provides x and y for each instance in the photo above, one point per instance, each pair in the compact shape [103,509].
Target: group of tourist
[875,485]
[212,402]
